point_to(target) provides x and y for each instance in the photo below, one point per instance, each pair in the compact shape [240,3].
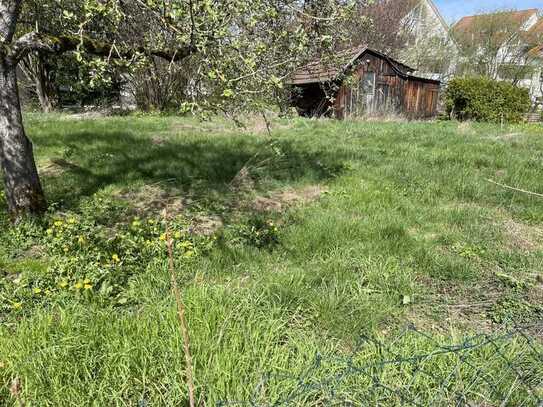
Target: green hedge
[483,99]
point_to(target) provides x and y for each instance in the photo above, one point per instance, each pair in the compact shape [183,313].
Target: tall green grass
[408,227]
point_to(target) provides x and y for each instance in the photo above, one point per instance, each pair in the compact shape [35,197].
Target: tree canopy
[242,51]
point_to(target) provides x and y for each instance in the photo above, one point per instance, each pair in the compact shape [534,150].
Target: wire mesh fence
[417,369]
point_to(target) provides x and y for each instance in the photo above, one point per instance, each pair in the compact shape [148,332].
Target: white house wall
[426,23]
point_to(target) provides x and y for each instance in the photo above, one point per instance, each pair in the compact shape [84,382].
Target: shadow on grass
[90,162]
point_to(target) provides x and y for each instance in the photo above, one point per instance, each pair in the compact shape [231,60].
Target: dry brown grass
[206,225]
[279,201]
[522,237]
[55,167]
[466,129]
[150,200]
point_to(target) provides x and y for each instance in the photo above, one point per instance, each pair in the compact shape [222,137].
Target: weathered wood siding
[377,87]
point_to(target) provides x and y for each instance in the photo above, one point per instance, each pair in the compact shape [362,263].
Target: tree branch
[57,45]
[32,41]
[9,14]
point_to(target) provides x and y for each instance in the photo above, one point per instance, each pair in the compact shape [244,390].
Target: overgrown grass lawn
[287,246]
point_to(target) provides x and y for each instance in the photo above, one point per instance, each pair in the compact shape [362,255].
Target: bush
[483,99]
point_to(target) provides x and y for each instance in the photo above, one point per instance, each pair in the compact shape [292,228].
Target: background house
[413,31]
[430,47]
[504,45]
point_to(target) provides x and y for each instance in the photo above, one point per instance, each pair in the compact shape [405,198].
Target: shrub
[483,99]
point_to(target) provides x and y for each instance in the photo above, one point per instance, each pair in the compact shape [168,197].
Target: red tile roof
[469,23]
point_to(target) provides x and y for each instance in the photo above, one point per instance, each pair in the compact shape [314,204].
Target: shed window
[367,84]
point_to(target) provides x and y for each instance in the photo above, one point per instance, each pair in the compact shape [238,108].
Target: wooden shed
[362,82]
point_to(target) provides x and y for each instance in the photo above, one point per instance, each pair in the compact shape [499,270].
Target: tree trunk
[24,194]
[44,88]
[35,71]
[45,100]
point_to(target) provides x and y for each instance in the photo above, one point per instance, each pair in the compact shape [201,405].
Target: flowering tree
[497,45]
[244,49]
[390,29]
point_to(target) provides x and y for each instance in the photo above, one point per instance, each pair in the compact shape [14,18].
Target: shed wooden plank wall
[412,97]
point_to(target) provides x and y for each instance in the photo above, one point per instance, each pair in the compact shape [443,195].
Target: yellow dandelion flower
[63,284]
[71,221]
[58,223]
[36,290]
[177,235]
[87,286]
[115,258]
[163,237]
[86,281]
[78,286]
[17,305]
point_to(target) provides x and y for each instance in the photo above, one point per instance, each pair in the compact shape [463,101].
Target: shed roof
[324,71]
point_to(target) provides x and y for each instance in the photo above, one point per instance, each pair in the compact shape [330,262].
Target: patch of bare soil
[522,237]
[206,225]
[152,199]
[281,200]
[243,182]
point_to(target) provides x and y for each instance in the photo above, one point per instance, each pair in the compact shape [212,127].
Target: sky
[453,10]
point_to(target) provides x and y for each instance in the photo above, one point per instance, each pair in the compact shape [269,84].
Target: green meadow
[287,245]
